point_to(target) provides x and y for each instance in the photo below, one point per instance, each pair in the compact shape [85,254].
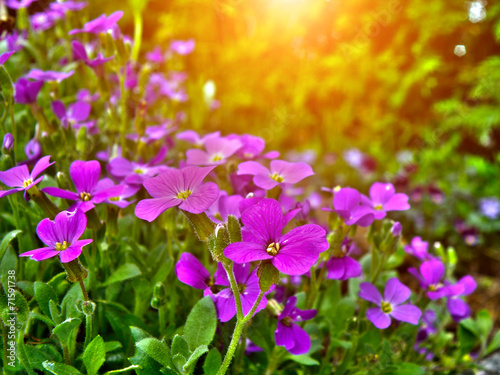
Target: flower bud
[6,162]
[8,142]
[234,228]
[62,181]
[160,292]
[88,308]
[75,271]
[268,276]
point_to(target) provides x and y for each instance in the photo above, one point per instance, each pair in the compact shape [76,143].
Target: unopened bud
[8,142]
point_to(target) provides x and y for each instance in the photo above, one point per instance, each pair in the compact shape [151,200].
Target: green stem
[236,292]
[137,35]
[254,307]
[238,329]
[88,330]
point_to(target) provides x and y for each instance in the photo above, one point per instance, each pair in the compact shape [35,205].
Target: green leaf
[65,331]
[146,363]
[179,361]
[60,368]
[55,312]
[94,355]
[199,351]
[13,302]
[409,369]
[212,363]
[109,346]
[6,241]
[156,349]
[466,338]
[43,318]
[124,272]
[201,323]
[133,367]
[303,359]
[5,84]
[484,323]
[494,344]
[43,295]
[180,346]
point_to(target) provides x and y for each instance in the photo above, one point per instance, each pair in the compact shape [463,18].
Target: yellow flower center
[184,194]
[114,199]
[138,171]
[85,196]
[386,307]
[241,288]
[433,287]
[273,248]
[62,246]
[217,157]
[27,182]
[337,188]
[248,155]
[276,177]
[379,207]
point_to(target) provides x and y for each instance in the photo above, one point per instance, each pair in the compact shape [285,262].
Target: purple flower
[248,285]
[154,133]
[293,253]
[457,307]
[347,204]
[85,176]
[428,327]
[8,141]
[84,95]
[33,151]
[341,266]
[75,114]
[156,55]
[280,172]
[224,206]
[45,20]
[183,188]
[25,91]
[61,236]
[419,249]
[430,276]
[68,5]
[119,200]
[100,25]
[18,4]
[21,179]
[383,198]
[190,271]
[192,137]
[79,53]
[490,207]
[49,75]
[14,40]
[290,335]
[252,147]
[395,294]
[5,56]
[252,348]
[182,47]
[133,172]
[217,151]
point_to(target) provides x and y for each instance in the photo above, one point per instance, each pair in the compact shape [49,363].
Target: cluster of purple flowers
[280,231]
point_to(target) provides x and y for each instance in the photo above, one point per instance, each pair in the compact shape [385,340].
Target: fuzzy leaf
[201,323]
[66,329]
[198,352]
[156,349]
[124,272]
[180,346]
[6,241]
[44,294]
[60,368]
[94,355]
[212,363]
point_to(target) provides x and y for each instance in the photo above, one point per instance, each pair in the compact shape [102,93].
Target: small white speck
[460,50]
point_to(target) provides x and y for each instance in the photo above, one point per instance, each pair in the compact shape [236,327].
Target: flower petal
[201,198]
[70,225]
[225,305]
[15,176]
[40,166]
[432,271]
[71,253]
[244,252]
[395,292]
[85,175]
[406,313]
[378,318]
[60,193]
[190,271]
[150,209]
[252,168]
[40,254]
[369,292]
[264,220]
[291,172]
